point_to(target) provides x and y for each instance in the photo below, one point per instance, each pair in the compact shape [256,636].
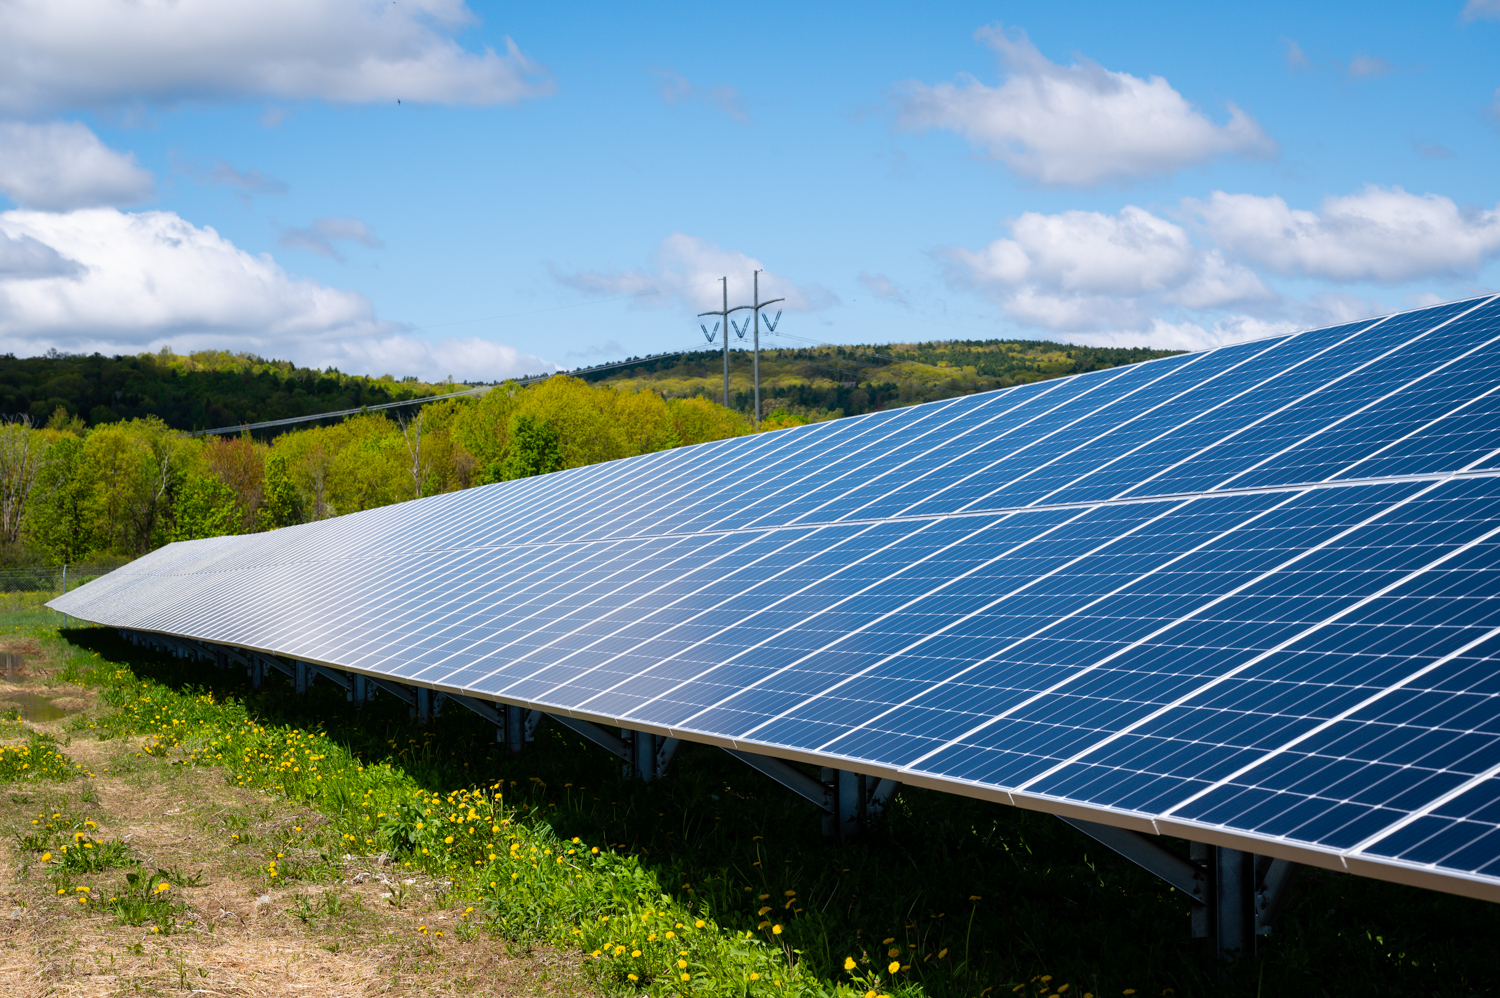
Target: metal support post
[724,327]
[422,709]
[852,800]
[515,728]
[301,676]
[758,306]
[640,754]
[1228,916]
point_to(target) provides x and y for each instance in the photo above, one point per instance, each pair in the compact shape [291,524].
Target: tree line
[72,492]
[202,390]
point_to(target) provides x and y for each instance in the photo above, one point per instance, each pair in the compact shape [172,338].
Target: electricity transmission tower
[724,324]
[769,322]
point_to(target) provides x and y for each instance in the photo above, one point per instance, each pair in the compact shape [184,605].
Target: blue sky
[563,184]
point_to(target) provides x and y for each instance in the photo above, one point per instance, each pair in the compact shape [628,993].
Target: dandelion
[895,965]
[686,976]
[632,977]
[849,963]
[700,923]
[46,857]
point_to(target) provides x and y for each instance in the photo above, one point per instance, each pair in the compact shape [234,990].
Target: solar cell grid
[1248,594]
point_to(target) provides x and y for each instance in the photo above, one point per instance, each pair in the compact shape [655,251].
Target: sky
[439,189]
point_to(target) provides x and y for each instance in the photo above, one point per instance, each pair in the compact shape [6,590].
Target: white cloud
[118,282]
[1475,9]
[1380,234]
[685,270]
[251,181]
[1077,125]
[63,165]
[58,54]
[882,287]
[1086,270]
[320,236]
[23,258]
[1296,59]
[461,358]
[675,88]
[1365,66]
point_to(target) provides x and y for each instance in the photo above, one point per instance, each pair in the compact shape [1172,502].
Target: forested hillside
[96,463]
[825,382]
[71,493]
[198,391]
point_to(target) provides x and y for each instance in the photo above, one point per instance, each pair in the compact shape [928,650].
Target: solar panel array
[1245,595]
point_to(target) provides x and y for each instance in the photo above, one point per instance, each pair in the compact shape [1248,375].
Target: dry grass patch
[330,925]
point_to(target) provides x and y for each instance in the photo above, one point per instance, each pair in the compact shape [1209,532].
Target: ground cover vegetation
[817,382]
[711,881]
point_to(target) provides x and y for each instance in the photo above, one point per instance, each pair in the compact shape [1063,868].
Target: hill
[188,392]
[826,382]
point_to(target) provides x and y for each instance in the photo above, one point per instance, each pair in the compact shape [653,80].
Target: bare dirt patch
[328,925]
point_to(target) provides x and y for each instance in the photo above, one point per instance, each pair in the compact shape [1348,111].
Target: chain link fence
[49,578]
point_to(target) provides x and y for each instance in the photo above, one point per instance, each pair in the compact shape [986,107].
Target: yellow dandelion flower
[776,930]
[849,963]
[681,964]
[895,965]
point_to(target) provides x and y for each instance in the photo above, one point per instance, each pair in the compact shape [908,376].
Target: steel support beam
[787,775]
[610,743]
[1148,855]
[1235,895]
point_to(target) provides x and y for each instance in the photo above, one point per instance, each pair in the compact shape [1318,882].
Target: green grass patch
[38,758]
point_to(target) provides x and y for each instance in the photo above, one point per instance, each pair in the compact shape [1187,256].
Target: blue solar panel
[1249,595]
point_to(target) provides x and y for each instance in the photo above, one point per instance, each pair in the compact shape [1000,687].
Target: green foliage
[116,490]
[205,507]
[206,389]
[36,759]
[280,503]
[534,449]
[146,899]
[825,382]
[60,518]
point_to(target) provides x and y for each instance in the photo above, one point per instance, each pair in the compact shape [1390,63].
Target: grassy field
[307,844]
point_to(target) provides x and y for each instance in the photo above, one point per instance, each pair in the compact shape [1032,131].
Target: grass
[714,872]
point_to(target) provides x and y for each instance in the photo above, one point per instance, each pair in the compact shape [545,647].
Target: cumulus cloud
[673,88]
[320,236]
[685,270]
[120,282]
[58,54]
[63,165]
[24,258]
[1379,234]
[1080,270]
[1078,125]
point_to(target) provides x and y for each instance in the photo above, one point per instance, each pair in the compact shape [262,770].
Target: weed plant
[715,881]
[38,758]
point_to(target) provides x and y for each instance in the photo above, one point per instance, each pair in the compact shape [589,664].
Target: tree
[21,450]
[280,501]
[61,521]
[205,507]
[534,450]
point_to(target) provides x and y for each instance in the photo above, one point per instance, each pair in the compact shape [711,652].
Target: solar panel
[1245,596]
